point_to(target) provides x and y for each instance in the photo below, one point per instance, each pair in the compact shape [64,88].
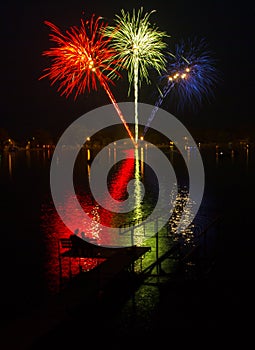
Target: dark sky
[28,104]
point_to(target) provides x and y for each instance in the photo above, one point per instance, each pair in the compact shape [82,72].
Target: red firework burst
[82,58]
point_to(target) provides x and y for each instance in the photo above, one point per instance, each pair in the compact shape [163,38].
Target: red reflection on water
[54,229]
[120,181]
[57,268]
[117,189]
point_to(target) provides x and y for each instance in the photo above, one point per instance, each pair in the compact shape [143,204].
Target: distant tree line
[40,137]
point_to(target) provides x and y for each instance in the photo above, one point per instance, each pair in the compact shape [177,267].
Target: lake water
[31,228]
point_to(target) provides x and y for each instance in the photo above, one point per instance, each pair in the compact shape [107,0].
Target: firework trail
[189,78]
[82,60]
[139,46]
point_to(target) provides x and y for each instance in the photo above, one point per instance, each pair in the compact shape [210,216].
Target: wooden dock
[84,290]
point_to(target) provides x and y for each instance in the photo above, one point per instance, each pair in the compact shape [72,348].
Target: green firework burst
[139,46]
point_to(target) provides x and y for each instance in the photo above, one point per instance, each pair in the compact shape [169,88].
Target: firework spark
[139,46]
[189,78]
[83,60]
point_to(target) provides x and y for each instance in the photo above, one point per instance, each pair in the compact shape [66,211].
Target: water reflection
[138,193]
[10,163]
[57,269]
[131,168]
[20,168]
[247,156]
[240,154]
[54,228]
[142,161]
[28,158]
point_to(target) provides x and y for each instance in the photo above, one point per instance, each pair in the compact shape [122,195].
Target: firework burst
[189,78]
[139,46]
[83,60]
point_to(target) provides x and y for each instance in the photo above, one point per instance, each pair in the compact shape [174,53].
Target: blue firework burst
[189,78]
[191,74]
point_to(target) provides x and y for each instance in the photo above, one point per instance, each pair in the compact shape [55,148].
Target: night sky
[29,104]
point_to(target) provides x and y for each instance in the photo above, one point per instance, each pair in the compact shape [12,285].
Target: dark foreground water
[29,266]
